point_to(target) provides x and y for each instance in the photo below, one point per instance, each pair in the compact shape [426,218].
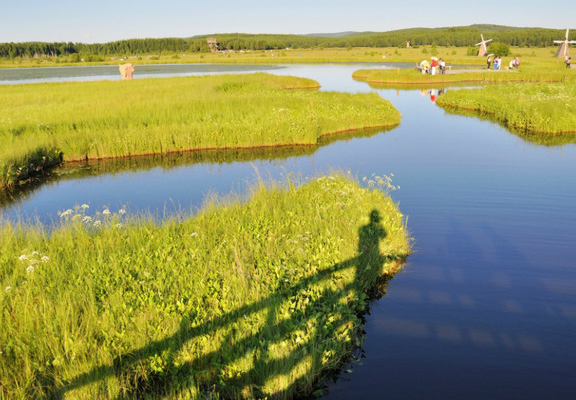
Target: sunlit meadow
[252,296]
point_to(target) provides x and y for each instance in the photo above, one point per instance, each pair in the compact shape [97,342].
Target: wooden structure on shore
[562,51]
[483,49]
[213,44]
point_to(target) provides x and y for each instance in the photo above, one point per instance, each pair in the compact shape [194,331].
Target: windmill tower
[563,49]
[483,49]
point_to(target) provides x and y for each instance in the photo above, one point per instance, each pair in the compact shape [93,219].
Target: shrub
[499,49]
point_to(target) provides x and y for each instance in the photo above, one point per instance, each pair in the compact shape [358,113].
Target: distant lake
[110,72]
[485,308]
[11,76]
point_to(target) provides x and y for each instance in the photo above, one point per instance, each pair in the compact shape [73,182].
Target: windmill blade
[483,42]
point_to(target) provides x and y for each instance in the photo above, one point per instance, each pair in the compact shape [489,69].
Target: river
[485,307]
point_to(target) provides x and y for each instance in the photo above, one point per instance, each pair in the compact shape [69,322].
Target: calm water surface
[485,308]
[110,72]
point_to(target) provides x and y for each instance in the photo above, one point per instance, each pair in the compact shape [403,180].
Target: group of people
[437,65]
[514,63]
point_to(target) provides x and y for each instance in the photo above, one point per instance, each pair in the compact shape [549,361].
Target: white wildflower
[97,224]
[7,289]
[23,257]
[85,206]
[87,219]
[122,211]
[30,269]
[106,211]
[45,259]
[193,234]
[119,226]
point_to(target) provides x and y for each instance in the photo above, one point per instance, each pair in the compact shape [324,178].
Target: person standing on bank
[442,66]
[433,66]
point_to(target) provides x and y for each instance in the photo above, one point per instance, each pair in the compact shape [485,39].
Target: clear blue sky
[96,21]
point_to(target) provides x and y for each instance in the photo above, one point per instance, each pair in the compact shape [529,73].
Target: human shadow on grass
[322,330]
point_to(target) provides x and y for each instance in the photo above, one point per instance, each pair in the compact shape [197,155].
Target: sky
[99,21]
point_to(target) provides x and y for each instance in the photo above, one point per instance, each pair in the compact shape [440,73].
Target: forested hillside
[453,36]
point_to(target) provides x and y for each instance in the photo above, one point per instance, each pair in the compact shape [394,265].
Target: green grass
[245,299]
[534,100]
[529,107]
[93,120]
[452,55]
[413,77]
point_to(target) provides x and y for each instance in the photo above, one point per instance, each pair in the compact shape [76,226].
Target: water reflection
[548,139]
[438,90]
[82,170]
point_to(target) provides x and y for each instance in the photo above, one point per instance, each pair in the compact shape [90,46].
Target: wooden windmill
[483,49]
[563,49]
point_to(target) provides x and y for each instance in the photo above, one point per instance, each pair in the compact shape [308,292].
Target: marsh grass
[413,77]
[528,107]
[92,120]
[26,166]
[533,100]
[84,169]
[246,299]
[551,140]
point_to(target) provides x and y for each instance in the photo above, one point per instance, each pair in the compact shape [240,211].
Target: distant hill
[484,28]
[333,35]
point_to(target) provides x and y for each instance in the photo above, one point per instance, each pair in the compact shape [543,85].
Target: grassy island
[480,76]
[43,124]
[537,100]
[533,108]
[245,299]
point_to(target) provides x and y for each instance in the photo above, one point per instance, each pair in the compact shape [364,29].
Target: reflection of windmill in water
[483,49]
[562,51]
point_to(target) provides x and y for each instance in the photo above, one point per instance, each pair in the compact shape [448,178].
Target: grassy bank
[91,120]
[532,100]
[413,77]
[243,300]
[530,107]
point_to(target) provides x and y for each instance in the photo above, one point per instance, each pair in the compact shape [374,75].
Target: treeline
[121,47]
[454,36]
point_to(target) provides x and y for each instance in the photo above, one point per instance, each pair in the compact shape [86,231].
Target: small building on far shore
[213,44]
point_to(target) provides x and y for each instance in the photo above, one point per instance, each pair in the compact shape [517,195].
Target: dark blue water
[485,308]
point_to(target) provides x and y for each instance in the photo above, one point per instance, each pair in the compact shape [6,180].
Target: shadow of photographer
[318,316]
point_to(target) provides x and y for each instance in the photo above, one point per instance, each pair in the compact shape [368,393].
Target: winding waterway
[485,308]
